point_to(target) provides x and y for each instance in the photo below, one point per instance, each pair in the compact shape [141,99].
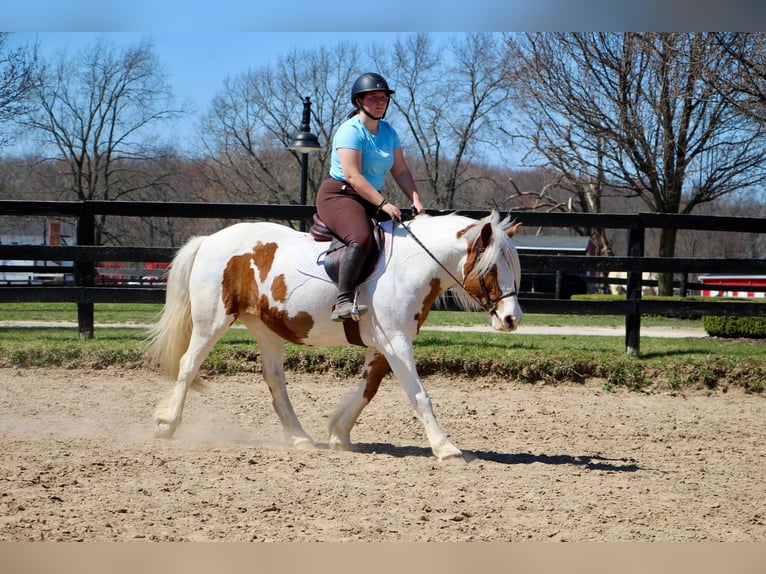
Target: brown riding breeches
[346,214]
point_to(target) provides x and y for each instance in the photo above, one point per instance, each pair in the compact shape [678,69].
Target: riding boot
[348,275]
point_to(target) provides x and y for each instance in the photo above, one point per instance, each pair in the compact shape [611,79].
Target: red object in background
[731,281]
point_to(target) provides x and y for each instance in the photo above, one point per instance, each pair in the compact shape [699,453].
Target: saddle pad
[310,261]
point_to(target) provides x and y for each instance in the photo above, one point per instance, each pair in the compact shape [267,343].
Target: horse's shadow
[591,462]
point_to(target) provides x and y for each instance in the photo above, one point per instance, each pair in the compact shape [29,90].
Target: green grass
[103,312]
[509,357]
[459,318]
[147,313]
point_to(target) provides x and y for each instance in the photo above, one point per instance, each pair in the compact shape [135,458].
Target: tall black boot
[348,275]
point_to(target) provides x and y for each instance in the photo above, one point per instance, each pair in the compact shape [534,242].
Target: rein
[488,304]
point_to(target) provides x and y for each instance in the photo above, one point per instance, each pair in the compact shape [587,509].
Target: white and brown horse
[267,276]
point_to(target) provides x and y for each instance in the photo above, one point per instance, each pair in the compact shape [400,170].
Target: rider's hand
[392,211]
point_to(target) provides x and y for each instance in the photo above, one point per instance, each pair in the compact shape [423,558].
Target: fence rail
[84,256]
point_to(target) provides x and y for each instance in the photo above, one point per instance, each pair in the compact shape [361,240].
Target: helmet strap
[369,115]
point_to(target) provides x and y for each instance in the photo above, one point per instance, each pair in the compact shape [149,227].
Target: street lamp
[304,143]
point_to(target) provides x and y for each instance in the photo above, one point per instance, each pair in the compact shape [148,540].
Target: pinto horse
[268,277]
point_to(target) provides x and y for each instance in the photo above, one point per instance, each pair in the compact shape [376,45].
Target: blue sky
[295,15]
[201,43]
[198,63]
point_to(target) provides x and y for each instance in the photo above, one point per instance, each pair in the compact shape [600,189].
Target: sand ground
[570,462]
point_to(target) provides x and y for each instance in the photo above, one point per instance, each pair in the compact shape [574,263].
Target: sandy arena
[547,463]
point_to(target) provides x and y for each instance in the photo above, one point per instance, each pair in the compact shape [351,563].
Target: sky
[201,43]
[198,63]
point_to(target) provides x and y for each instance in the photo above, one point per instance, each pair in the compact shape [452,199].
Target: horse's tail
[169,338]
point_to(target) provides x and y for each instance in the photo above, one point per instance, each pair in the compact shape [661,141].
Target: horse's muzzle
[505,323]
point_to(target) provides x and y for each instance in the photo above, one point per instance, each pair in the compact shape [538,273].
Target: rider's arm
[405,181]
[351,163]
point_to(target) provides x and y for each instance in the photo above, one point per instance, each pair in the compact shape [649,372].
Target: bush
[735,327]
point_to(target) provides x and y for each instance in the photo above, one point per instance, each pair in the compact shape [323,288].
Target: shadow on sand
[591,462]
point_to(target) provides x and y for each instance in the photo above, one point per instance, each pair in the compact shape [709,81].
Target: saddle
[331,257]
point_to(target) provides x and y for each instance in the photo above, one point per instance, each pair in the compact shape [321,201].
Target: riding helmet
[369,82]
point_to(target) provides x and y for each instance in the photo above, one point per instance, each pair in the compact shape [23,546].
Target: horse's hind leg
[167,415]
[345,416]
[272,351]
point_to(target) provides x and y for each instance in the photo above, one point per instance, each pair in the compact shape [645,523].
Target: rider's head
[371,95]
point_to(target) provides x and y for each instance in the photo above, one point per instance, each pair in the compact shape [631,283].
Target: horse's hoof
[339,445]
[164,430]
[304,444]
[455,459]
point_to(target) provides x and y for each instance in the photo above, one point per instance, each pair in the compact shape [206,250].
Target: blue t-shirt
[377,150]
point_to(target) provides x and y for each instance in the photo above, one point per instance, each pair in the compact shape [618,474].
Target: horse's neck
[441,246]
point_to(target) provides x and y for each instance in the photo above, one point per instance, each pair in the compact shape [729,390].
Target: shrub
[735,327]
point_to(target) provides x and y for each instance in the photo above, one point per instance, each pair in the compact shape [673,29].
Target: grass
[129,313]
[104,312]
[537,359]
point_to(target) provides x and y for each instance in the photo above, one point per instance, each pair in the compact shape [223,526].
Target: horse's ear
[511,231]
[486,235]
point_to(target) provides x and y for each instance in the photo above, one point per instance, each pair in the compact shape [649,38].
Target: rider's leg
[348,216]
[348,276]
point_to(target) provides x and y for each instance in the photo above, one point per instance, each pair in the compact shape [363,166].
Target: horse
[268,277]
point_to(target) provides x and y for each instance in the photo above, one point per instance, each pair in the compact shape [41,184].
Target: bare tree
[169,179]
[95,112]
[559,193]
[445,109]
[258,113]
[636,113]
[746,83]
[452,99]
[17,67]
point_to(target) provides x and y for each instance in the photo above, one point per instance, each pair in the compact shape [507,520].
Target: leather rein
[488,303]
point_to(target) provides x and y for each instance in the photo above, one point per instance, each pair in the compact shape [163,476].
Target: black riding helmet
[369,82]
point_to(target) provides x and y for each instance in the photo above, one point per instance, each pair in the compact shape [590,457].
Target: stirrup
[346,309]
[357,311]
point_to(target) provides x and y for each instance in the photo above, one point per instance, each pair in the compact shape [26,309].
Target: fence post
[633,293]
[85,271]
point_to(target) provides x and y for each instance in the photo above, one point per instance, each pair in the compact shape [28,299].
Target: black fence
[85,289]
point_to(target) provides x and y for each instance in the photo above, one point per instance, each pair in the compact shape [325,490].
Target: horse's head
[491,272]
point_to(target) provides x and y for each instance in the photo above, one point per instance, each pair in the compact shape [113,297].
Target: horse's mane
[500,247]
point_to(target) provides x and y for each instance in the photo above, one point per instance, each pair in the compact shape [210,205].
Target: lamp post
[305,143]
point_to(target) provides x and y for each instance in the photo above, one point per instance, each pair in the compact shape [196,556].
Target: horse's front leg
[398,351]
[343,419]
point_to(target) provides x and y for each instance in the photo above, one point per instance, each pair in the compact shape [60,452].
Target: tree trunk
[667,249]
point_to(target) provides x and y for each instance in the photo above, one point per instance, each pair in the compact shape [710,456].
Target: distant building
[554,244]
[559,285]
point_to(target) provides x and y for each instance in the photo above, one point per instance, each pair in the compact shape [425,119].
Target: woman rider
[364,149]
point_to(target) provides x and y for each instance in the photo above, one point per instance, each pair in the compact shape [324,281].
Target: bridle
[488,303]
